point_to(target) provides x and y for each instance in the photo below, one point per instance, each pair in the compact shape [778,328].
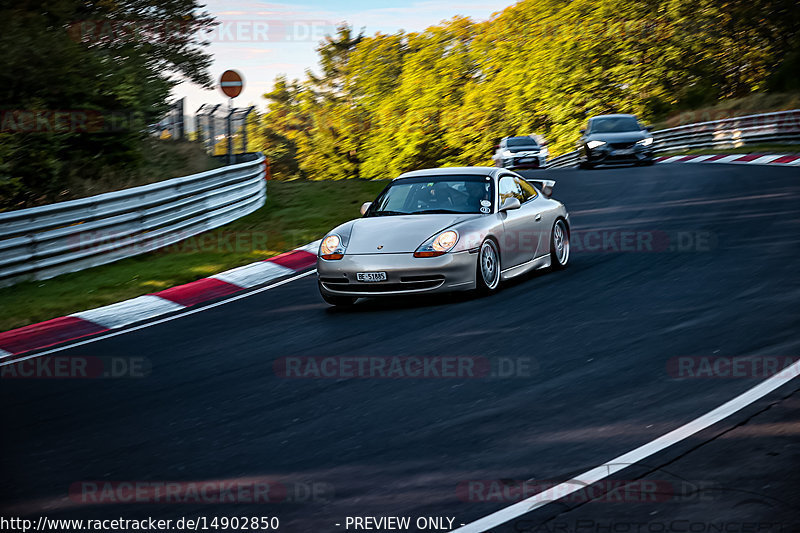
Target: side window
[509,188]
[528,191]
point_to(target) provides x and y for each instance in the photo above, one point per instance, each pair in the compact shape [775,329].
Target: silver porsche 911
[444,229]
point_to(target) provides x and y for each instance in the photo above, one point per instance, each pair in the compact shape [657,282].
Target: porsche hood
[399,233]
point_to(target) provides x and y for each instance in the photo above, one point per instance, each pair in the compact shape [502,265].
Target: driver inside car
[442,196]
[476,191]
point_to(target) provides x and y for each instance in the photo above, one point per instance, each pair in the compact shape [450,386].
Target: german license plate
[371,276]
[624,151]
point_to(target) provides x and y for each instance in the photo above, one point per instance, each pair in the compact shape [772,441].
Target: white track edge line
[159,321]
[634,456]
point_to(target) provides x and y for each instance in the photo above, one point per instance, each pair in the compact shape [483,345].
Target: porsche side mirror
[583,131]
[509,204]
[365,206]
[649,128]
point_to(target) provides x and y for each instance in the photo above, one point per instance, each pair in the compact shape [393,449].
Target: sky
[264,39]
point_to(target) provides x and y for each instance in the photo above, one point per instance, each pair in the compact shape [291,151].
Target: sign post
[231,83]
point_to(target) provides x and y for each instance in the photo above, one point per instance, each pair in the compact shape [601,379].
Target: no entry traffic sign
[231,83]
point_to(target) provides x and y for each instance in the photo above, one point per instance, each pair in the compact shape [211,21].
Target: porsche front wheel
[487,277]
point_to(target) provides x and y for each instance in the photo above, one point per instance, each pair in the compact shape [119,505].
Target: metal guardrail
[780,126]
[569,159]
[43,242]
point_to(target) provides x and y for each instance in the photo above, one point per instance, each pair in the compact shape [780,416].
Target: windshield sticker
[485,210]
[486,203]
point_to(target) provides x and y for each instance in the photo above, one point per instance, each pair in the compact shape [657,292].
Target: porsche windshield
[435,194]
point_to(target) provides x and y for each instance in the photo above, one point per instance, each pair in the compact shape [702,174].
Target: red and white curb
[121,314]
[749,159]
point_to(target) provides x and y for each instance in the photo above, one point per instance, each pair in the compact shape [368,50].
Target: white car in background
[527,151]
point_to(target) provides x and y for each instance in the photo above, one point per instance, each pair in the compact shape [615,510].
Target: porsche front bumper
[405,274]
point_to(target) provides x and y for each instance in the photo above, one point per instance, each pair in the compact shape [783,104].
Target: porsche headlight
[331,247]
[438,245]
[646,141]
[507,153]
[595,144]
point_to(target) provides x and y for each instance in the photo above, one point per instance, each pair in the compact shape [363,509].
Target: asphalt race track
[710,271]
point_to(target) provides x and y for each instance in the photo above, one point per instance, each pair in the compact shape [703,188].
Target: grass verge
[296,213]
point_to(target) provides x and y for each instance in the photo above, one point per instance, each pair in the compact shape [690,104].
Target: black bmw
[615,139]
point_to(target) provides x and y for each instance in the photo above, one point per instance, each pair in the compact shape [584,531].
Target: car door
[535,209]
[519,241]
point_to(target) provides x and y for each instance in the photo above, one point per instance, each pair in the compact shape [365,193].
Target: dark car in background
[520,152]
[615,139]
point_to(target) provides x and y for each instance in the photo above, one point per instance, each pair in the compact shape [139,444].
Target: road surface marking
[639,454]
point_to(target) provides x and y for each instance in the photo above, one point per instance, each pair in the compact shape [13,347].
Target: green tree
[385,104]
[114,62]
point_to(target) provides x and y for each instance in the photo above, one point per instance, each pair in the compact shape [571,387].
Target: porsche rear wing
[546,186]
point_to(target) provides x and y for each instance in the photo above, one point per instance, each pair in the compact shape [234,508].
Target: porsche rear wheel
[487,277]
[559,245]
